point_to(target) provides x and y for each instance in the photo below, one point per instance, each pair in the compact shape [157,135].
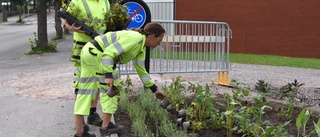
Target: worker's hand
[64,22]
[109,82]
[159,94]
[71,27]
[76,29]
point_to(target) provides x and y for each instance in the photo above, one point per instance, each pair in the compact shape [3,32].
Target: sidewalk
[36,94]
[12,20]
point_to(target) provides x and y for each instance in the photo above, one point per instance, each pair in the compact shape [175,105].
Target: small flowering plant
[117,17]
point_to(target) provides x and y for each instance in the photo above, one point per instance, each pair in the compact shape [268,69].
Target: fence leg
[223,79]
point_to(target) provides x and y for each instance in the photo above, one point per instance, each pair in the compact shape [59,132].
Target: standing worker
[98,60]
[89,11]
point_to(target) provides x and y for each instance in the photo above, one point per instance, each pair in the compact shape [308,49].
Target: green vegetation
[269,60]
[272,60]
[231,113]
[145,113]
[36,49]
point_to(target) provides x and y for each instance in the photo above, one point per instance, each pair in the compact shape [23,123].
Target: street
[24,111]
[36,93]
[14,36]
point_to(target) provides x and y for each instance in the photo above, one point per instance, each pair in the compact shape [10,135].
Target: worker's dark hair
[151,28]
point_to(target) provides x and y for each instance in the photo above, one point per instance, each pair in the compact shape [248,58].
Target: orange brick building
[272,27]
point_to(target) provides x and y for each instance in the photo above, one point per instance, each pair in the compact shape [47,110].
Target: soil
[270,114]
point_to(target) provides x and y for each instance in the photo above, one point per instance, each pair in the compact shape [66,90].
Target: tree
[59,31]
[42,24]
[19,3]
[49,4]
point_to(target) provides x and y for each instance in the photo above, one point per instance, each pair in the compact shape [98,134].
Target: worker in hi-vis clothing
[98,60]
[88,11]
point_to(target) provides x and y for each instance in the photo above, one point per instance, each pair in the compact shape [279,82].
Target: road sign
[138,12]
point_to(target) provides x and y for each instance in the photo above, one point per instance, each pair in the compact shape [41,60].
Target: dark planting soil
[272,115]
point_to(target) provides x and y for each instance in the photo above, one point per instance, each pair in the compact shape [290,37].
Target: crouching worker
[98,73]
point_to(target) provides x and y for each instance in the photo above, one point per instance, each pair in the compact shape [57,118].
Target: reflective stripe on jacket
[122,47]
[90,9]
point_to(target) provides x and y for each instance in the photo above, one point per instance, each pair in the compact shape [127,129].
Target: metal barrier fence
[190,47]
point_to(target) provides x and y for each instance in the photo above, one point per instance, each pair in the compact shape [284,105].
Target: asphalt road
[27,116]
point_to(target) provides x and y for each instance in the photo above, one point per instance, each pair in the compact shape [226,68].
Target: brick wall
[273,27]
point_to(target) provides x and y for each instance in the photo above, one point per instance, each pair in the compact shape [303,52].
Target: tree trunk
[20,12]
[59,31]
[34,4]
[42,23]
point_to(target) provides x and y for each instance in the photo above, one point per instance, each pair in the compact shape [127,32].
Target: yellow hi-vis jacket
[92,13]
[122,47]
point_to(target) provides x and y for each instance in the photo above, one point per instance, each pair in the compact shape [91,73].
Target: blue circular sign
[137,15]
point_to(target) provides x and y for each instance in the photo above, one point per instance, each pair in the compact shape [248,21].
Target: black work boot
[94,119]
[85,134]
[111,129]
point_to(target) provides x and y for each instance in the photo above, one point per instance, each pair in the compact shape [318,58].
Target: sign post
[140,15]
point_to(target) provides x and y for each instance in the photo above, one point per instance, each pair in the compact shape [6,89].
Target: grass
[269,60]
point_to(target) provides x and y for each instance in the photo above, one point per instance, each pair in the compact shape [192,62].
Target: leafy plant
[117,17]
[262,86]
[176,93]
[127,84]
[317,127]
[36,49]
[288,111]
[202,107]
[263,90]
[290,89]
[74,10]
[230,113]
[302,120]
[275,131]
[144,111]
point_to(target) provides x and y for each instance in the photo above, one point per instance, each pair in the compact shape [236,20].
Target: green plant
[275,131]
[263,91]
[317,127]
[117,17]
[176,93]
[288,111]
[262,86]
[302,120]
[36,49]
[202,102]
[92,22]
[127,84]
[290,89]
[239,90]
[136,114]
[202,107]
[230,113]
[20,21]
[144,111]
[216,119]
[257,118]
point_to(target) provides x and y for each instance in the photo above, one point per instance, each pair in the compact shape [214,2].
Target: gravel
[277,77]
[55,81]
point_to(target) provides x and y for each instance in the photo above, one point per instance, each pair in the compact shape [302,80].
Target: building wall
[161,9]
[272,27]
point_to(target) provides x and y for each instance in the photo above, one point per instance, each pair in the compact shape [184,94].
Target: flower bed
[215,115]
